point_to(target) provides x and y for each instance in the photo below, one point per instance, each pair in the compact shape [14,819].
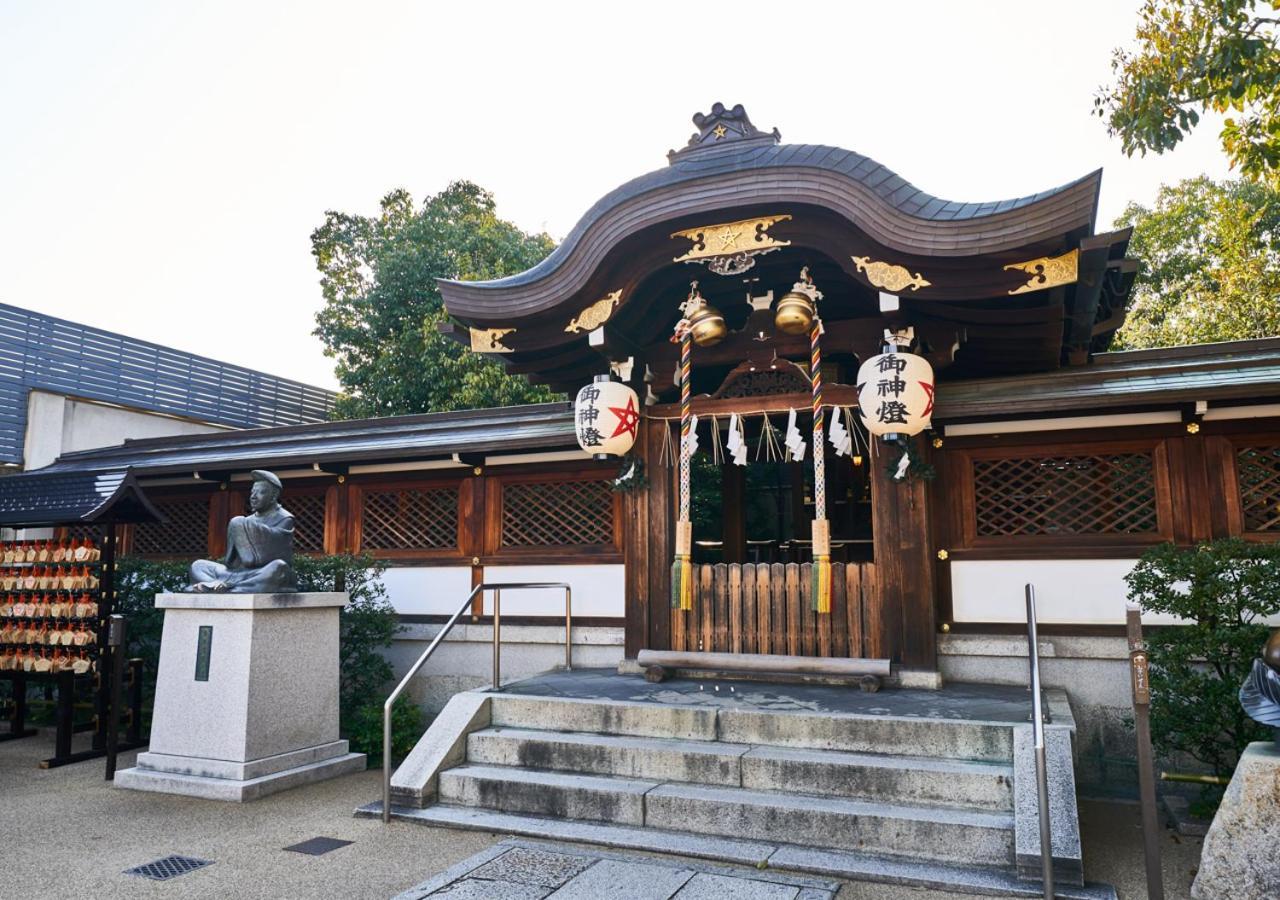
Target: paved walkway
[68,833]
[520,869]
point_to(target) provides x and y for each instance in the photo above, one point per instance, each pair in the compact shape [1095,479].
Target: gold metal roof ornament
[731,248]
[489,340]
[1047,271]
[596,314]
[889,277]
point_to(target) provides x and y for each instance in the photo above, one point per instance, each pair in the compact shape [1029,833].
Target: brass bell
[794,314]
[798,307]
[706,326]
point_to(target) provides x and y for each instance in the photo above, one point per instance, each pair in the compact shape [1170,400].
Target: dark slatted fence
[763,608]
[41,352]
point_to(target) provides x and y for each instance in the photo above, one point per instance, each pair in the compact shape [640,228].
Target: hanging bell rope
[682,567]
[821,535]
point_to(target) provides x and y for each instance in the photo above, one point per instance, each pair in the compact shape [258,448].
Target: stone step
[564,795]
[893,828]
[920,832]
[962,739]
[872,776]
[866,776]
[905,736]
[658,759]
[688,723]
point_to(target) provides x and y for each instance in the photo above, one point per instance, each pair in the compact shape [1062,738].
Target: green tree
[381,311]
[1194,56]
[1210,254]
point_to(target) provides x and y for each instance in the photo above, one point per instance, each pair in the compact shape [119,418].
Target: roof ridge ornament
[720,127]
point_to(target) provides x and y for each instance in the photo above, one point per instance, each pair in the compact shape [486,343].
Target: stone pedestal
[246,697]
[1241,855]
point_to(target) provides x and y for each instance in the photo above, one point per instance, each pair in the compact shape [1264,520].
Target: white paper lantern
[606,416]
[895,393]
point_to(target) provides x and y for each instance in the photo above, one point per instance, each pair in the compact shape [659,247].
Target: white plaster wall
[58,424]
[427,590]
[1068,591]
[597,590]
[440,590]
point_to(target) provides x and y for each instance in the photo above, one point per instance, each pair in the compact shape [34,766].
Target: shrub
[1223,590]
[368,625]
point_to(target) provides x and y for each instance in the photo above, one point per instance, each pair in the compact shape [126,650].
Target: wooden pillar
[901,614]
[646,540]
[733,515]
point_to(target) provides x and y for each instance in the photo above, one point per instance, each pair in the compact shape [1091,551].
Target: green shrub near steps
[1224,590]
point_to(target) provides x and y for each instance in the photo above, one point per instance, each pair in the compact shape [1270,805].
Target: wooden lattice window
[557,514]
[409,519]
[308,521]
[185,533]
[1258,474]
[1100,493]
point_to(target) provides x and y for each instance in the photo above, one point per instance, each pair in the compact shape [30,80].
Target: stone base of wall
[1094,671]
[464,661]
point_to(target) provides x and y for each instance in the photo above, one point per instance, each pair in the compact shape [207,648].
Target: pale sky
[162,164]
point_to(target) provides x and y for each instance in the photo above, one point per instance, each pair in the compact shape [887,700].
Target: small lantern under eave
[606,416]
[895,393]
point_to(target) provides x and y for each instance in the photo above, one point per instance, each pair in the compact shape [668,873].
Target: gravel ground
[67,833]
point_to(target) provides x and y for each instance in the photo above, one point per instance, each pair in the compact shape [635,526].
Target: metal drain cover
[169,867]
[318,846]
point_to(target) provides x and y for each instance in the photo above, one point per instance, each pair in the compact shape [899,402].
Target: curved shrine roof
[745,166]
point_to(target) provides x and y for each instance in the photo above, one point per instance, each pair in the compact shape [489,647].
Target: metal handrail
[497,654]
[1037,731]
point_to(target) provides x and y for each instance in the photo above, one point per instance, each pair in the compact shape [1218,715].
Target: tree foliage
[1193,56]
[1224,590]
[1210,254]
[381,305]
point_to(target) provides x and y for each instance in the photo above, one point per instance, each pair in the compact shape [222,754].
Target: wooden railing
[767,608]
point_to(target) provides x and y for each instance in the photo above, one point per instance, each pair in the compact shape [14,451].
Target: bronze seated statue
[259,556]
[1260,693]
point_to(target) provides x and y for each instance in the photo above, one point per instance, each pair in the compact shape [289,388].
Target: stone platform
[246,697]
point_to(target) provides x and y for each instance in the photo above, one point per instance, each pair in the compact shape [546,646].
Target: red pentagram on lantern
[628,418]
[928,389]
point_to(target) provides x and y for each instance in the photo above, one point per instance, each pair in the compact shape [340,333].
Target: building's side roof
[1232,371]
[40,352]
[544,426]
[62,498]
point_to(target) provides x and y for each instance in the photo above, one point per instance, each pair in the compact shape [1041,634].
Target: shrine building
[1041,455]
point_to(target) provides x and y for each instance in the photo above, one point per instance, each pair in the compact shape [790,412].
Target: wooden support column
[900,616]
[647,540]
[733,515]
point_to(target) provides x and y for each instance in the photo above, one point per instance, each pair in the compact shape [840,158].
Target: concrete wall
[58,424]
[1094,671]
[464,660]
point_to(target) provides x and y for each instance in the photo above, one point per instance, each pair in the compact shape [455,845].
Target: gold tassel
[682,568]
[821,581]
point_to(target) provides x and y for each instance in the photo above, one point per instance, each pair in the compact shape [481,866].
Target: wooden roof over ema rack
[1003,287]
